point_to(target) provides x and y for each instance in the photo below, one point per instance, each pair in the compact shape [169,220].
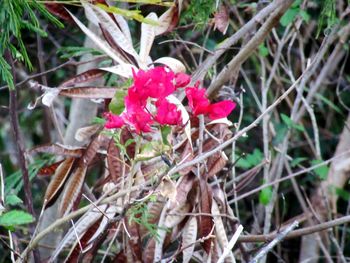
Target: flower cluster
[151,89]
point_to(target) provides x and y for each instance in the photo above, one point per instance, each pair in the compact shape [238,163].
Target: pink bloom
[182,80]
[197,100]
[154,83]
[135,99]
[139,119]
[167,113]
[113,121]
[199,104]
[221,109]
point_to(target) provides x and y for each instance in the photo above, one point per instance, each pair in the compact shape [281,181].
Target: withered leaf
[59,11]
[148,252]
[72,189]
[87,76]
[58,180]
[189,236]
[49,169]
[134,240]
[57,149]
[205,222]
[87,132]
[216,163]
[74,254]
[115,165]
[184,187]
[221,19]
[89,92]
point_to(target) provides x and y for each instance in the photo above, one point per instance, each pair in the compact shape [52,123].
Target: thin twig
[279,237]
[296,233]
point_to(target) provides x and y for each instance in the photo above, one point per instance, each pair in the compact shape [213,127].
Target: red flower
[197,100]
[113,121]
[221,109]
[182,80]
[139,119]
[155,83]
[167,113]
[199,104]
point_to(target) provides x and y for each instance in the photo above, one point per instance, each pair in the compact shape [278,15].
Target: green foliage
[131,14]
[250,160]
[165,131]
[16,16]
[198,12]
[293,12]
[14,182]
[265,195]
[297,161]
[139,214]
[12,199]
[14,218]
[345,195]
[291,124]
[328,16]
[70,52]
[117,105]
[263,51]
[322,171]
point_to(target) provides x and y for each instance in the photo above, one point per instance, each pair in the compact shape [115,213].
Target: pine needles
[15,17]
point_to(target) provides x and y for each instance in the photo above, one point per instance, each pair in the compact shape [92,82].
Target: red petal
[221,109]
[167,113]
[182,80]
[113,121]
[197,100]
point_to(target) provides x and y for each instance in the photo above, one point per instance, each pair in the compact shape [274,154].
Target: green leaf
[263,51]
[130,14]
[117,105]
[288,121]
[289,16]
[341,192]
[304,15]
[71,51]
[15,217]
[297,161]
[322,171]
[265,195]
[13,200]
[98,120]
[250,160]
[165,131]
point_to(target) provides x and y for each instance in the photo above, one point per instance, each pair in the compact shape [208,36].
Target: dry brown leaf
[89,92]
[189,236]
[147,38]
[188,154]
[115,165]
[184,187]
[221,19]
[48,170]
[87,76]
[58,10]
[72,189]
[58,149]
[92,149]
[59,178]
[83,242]
[167,189]
[148,252]
[87,132]
[169,19]
[205,222]
[216,163]
[134,240]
